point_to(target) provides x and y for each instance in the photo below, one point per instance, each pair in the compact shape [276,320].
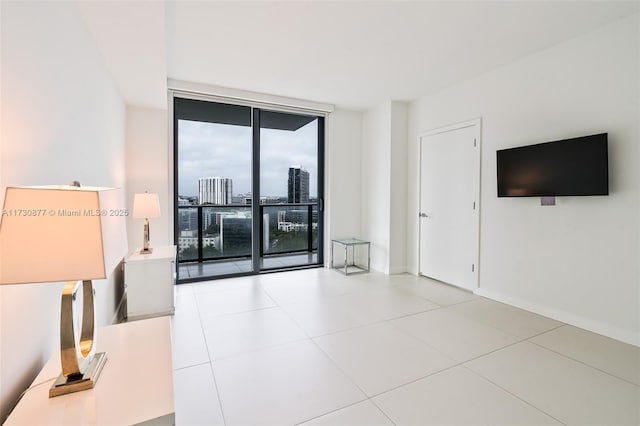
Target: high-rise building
[215,190]
[298,185]
[188,219]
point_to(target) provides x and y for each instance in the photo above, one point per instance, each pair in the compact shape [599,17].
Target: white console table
[135,386]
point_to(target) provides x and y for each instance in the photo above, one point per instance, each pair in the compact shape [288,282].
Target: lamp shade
[61,233]
[146,205]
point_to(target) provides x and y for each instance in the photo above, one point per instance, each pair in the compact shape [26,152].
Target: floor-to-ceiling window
[248,189]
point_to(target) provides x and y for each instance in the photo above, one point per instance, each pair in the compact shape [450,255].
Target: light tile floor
[317,347]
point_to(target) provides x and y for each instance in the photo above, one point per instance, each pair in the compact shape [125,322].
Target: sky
[211,150]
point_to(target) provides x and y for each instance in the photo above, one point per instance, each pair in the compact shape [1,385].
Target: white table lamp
[65,233]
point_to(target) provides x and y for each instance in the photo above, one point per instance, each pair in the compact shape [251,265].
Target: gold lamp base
[64,385]
[145,238]
[81,365]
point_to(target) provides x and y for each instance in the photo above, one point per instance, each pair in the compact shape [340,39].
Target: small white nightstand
[149,280]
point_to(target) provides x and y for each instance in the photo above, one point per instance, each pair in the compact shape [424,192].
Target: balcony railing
[209,233]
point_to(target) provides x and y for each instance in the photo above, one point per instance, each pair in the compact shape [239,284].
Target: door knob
[423,214]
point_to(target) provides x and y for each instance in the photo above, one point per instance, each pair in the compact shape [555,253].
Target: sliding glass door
[289,180]
[248,189]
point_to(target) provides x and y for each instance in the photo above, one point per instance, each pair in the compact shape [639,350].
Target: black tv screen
[577,166]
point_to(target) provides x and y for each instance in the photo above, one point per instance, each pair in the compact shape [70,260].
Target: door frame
[477,122]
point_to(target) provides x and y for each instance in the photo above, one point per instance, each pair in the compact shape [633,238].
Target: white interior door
[449,204]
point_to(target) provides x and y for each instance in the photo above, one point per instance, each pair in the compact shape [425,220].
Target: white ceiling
[349,53]
[131,38]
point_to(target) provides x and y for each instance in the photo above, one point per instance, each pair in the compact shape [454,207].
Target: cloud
[210,149]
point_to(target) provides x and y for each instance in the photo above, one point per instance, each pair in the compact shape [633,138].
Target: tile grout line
[581,362]
[253,351]
[215,384]
[335,364]
[382,411]
[333,411]
[215,317]
[462,364]
[300,325]
[213,373]
[494,351]
[512,394]
[355,327]
[545,332]
[191,366]
[519,340]
[457,363]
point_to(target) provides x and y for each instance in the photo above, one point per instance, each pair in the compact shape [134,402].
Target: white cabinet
[149,282]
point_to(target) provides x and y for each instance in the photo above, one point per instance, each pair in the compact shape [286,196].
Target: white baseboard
[623,335]
[397,270]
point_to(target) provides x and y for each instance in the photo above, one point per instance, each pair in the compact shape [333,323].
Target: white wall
[577,261]
[342,176]
[147,165]
[62,120]
[398,188]
[384,185]
[376,183]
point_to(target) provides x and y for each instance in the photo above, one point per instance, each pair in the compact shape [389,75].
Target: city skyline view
[218,209]
[223,150]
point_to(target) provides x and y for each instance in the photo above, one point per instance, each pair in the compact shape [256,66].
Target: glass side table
[353,267]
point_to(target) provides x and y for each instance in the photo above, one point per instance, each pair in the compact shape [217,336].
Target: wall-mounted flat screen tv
[577,166]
